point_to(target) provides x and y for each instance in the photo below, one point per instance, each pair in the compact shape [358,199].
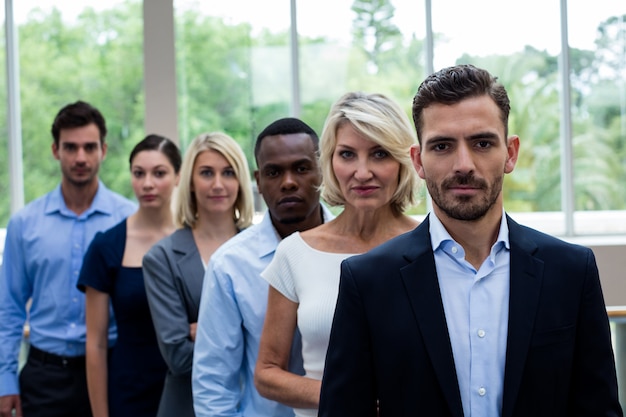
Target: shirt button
[482,391]
[454,249]
[72,325]
[481,333]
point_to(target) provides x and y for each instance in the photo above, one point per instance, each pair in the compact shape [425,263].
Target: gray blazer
[173,274]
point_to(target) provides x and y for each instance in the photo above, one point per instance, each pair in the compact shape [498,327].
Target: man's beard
[80,181]
[462,207]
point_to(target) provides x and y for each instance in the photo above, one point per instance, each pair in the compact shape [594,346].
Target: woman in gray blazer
[214,202]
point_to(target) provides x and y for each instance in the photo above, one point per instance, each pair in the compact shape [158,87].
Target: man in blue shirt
[470,314]
[234,296]
[43,254]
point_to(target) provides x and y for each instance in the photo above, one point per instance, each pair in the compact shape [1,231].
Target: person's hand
[192,333]
[8,403]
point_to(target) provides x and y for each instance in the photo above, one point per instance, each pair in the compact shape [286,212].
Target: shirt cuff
[9,384]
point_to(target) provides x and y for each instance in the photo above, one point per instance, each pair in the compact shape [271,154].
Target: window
[235,68]
[235,73]
[233,65]
[76,51]
[598,87]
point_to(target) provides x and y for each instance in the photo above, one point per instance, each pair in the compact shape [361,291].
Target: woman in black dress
[125,378]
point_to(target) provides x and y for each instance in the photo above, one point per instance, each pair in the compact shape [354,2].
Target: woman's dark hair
[158,143]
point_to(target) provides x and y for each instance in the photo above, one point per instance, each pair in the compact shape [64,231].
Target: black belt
[52,359]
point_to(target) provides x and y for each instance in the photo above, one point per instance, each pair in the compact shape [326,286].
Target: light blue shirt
[230,321]
[43,254]
[476,305]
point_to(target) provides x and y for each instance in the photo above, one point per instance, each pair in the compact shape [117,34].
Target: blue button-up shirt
[476,305]
[230,321]
[43,254]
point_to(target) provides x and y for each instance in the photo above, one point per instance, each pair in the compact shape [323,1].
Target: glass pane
[361,46]
[233,64]
[234,61]
[598,76]
[526,62]
[88,50]
[364,45]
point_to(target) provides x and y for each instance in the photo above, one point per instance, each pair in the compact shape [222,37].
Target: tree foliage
[374,32]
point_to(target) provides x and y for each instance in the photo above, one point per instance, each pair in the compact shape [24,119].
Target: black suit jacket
[389,340]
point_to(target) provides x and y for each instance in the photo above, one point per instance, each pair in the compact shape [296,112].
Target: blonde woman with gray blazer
[214,202]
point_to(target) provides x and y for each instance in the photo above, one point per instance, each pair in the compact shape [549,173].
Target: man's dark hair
[286,126]
[78,114]
[158,143]
[453,84]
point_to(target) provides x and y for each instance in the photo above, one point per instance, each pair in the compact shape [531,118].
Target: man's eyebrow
[302,161]
[440,138]
[94,143]
[270,166]
[483,135]
[475,136]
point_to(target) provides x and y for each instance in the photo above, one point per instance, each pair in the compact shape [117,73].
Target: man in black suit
[470,314]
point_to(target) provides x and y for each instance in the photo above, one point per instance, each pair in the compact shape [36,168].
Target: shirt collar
[439,234]
[269,237]
[100,203]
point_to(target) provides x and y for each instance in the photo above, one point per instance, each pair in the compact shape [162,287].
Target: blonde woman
[366,168]
[214,202]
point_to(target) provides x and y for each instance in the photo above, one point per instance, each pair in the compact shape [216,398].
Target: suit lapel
[189,262]
[420,281]
[526,278]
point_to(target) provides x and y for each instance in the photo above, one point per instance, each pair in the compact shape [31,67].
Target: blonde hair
[186,207]
[382,121]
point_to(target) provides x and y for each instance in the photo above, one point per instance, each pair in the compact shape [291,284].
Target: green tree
[213,62]
[374,31]
[611,47]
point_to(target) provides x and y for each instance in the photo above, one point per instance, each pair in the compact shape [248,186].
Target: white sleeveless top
[310,278]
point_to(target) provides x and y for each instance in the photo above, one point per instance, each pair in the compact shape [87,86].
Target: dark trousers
[54,386]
